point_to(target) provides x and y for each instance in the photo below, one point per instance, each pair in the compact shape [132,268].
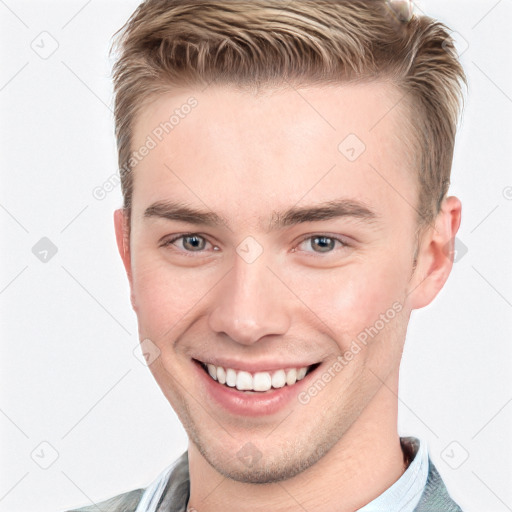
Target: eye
[189,242]
[322,244]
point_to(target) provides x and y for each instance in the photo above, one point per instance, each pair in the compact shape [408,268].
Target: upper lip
[253,366]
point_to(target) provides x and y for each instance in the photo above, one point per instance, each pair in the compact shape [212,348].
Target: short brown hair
[171,43]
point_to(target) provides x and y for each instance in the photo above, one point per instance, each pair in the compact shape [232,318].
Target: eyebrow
[337,208]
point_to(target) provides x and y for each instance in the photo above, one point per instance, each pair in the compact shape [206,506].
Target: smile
[258,381]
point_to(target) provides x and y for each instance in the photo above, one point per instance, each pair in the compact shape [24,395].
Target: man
[285,168]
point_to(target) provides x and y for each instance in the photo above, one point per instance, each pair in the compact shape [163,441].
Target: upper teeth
[260,381]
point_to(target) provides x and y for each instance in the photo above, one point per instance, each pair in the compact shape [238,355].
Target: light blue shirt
[404,495]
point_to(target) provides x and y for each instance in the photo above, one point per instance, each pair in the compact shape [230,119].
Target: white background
[69,376]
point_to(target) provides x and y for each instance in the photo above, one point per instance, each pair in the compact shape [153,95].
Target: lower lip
[251,404]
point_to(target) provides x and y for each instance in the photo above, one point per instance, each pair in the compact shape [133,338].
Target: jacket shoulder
[435,497]
[126,502]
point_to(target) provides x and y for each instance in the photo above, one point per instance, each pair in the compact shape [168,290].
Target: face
[272,232]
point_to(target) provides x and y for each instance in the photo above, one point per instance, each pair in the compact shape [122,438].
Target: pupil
[193,242]
[325,243]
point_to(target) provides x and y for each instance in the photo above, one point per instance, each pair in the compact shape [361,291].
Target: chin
[247,464]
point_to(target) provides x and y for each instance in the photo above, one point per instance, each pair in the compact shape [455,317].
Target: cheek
[351,299]
[164,294]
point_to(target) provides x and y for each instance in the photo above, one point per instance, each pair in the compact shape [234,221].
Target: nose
[250,303]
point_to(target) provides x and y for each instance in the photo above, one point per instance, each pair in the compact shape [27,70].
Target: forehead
[274,147]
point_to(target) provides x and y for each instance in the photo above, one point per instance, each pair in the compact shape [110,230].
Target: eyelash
[343,243]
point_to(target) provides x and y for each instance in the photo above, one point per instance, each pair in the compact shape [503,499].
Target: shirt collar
[404,495]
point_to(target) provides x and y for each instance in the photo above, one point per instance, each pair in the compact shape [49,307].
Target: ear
[122,229]
[435,255]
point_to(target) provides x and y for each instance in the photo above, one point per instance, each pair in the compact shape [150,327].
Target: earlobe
[435,255]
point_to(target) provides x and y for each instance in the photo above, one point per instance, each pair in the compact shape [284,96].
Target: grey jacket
[435,497]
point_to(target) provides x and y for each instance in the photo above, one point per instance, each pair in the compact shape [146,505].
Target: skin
[244,155]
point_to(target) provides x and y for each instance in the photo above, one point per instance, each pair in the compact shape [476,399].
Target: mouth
[261,382]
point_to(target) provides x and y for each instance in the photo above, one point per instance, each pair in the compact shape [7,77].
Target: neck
[366,461]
